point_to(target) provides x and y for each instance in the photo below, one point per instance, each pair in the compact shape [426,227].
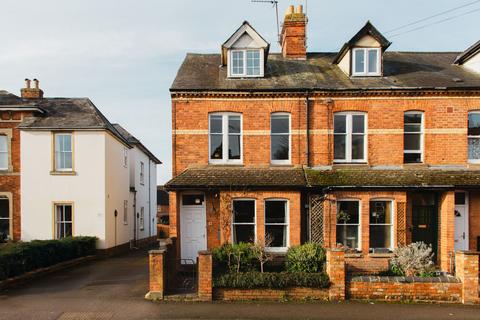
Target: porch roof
[396,178]
[238,177]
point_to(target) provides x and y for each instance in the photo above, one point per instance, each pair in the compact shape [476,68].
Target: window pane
[58,142]
[237,62]
[234,124]
[412,158]
[215,124]
[348,236]
[380,212]
[412,128]
[380,236]
[280,147]
[372,61]
[347,212]
[275,211]
[411,141]
[339,142]
[359,61]
[4,229]
[68,160]
[216,147]
[459,198]
[243,233]
[340,123]
[473,148]
[278,235]
[3,144]
[253,63]
[280,124]
[234,147]
[68,213]
[192,199]
[3,160]
[474,124]
[358,123]
[358,147]
[244,211]
[4,210]
[412,118]
[67,143]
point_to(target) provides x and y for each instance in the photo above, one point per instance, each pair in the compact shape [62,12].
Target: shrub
[234,258]
[271,280]
[309,258]
[21,257]
[416,259]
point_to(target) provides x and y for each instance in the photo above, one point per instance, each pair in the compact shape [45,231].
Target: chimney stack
[294,34]
[31,93]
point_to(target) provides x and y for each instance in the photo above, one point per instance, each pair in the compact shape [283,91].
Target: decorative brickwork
[467,268]
[337,273]
[205,281]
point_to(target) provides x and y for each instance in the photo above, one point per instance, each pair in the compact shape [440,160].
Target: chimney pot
[36,82]
[31,93]
[290,10]
[299,9]
[27,83]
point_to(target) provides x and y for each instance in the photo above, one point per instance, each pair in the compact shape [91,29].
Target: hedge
[22,257]
[271,280]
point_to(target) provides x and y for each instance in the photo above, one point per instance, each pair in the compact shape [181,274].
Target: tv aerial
[275,5]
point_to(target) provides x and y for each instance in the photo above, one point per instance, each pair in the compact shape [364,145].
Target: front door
[425,225]
[461,221]
[192,227]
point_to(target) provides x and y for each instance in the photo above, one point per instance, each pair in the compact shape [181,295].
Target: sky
[124,54]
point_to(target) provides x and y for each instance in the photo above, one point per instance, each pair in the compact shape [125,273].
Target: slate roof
[393,178]
[237,177]
[162,196]
[402,70]
[69,114]
[134,141]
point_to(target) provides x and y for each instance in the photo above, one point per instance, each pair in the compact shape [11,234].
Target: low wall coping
[393,279]
[204,252]
[157,251]
[469,253]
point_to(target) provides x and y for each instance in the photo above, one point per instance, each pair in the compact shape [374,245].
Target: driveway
[114,288]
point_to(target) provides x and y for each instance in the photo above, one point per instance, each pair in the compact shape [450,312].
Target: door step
[189,297]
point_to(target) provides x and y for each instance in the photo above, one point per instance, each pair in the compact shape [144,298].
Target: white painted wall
[40,190]
[473,64]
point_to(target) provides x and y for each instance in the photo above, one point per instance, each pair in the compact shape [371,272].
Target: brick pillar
[204,264]
[173,214]
[157,281]
[336,273]
[466,264]
[446,230]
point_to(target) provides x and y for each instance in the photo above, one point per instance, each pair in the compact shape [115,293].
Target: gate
[181,276]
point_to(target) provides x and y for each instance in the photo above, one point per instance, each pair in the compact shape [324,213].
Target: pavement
[114,288]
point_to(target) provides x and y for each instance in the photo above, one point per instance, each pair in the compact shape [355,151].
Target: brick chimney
[31,93]
[294,34]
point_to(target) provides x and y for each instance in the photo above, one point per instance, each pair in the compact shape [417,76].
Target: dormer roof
[367,30]
[468,54]
[245,37]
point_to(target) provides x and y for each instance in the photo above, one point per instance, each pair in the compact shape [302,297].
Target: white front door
[193,224]
[461,221]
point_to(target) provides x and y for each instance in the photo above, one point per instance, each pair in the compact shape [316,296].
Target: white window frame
[471,137]
[6,152]
[289,160]
[422,136]
[142,172]
[245,223]
[125,212]
[348,140]
[62,222]
[392,224]
[56,165]
[359,247]
[286,223]
[225,143]
[367,62]
[244,54]
[142,219]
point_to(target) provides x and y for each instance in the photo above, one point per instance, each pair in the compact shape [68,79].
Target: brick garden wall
[270,294]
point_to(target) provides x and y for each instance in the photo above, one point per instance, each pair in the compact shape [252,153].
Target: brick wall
[270,294]
[157,275]
[205,281]
[446,230]
[467,268]
[474,214]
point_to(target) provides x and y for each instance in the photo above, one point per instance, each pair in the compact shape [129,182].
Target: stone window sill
[380,255]
[354,255]
[63,173]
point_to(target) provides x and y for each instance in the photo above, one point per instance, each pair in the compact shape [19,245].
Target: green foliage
[308,258]
[416,259]
[271,280]
[234,258]
[22,257]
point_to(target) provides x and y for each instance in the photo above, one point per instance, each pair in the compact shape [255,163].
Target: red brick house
[364,148]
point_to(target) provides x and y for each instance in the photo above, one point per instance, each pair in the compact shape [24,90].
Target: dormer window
[246,63]
[366,61]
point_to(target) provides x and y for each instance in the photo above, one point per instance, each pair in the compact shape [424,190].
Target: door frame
[204,207]
[467,218]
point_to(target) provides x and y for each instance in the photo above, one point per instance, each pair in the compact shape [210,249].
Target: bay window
[276,224]
[474,137]
[413,137]
[366,62]
[280,138]
[63,152]
[225,135]
[348,223]
[243,221]
[349,140]
[381,225]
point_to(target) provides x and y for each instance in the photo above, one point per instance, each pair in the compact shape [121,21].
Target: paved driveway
[114,289]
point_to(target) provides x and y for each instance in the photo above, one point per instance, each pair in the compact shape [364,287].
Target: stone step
[189,297]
